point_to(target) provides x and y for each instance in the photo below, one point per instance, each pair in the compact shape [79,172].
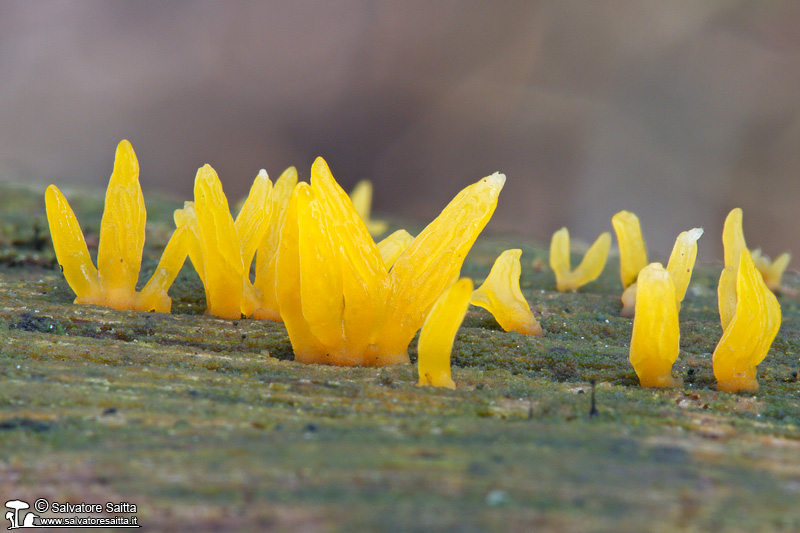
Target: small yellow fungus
[655,342]
[733,242]
[267,254]
[594,261]
[749,333]
[680,266]
[361,196]
[340,303]
[772,271]
[221,247]
[119,255]
[500,295]
[439,332]
[632,251]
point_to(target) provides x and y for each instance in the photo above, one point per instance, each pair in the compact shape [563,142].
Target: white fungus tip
[694,234]
[497,179]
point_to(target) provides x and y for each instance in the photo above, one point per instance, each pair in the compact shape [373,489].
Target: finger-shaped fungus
[340,303]
[222,249]
[267,255]
[749,333]
[361,196]
[655,341]
[681,261]
[500,295]
[439,332]
[592,265]
[733,242]
[119,255]
[632,251]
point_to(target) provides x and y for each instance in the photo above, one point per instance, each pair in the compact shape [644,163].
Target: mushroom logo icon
[13,515]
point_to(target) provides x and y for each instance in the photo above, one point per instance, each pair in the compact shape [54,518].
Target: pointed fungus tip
[497,179]
[262,173]
[695,233]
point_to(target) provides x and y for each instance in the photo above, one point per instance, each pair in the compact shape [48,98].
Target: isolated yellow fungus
[680,266]
[439,332]
[222,249]
[393,246]
[655,341]
[119,255]
[592,265]
[500,295]
[733,242]
[340,303]
[749,333]
[361,196]
[632,251]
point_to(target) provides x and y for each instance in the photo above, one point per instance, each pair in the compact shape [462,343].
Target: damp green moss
[208,424]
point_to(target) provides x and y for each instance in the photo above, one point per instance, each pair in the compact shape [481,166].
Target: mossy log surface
[208,425]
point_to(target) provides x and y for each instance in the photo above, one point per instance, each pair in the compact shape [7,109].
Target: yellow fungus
[772,271]
[681,261]
[632,251]
[339,301]
[655,341]
[680,266]
[222,249]
[500,295]
[594,261]
[749,333]
[439,332]
[361,196]
[267,254]
[393,246]
[733,242]
[119,255]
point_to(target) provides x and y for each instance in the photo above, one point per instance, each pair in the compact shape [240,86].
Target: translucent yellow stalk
[500,295]
[222,249]
[119,254]
[361,196]
[655,341]
[592,265]
[337,298]
[439,332]
[632,251]
[267,255]
[750,332]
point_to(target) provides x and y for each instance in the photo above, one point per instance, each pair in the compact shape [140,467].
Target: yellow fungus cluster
[347,300]
[749,313]
[340,303]
[119,255]
[592,265]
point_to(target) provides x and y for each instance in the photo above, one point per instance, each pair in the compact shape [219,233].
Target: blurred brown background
[677,110]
